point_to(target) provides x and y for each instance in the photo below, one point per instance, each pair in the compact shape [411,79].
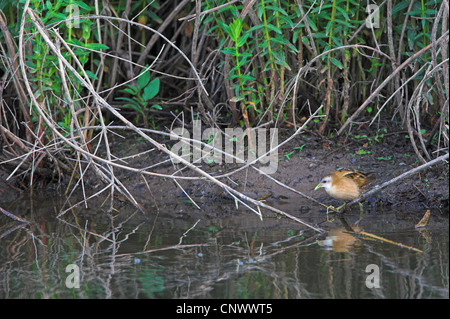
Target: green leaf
[336,63]
[248,77]
[336,41]
[305,39]
[311,23]
[237,98]
[75,41]
[414,12]
[245,54]
[277,9]
[224,27]
[260,12]
[328,28]
[242,61]
[347,24]
[133,104]
[232,77]
[91,75]
[135,107]
[86,31]
[56,18]
[236,29]
[229,51]
[143,79]
[122,98]
[342,11]
[322,8]
[274,28]
[285,42]
[96,46]
[402,5]
[283,64]
[130,89]
[153,17]
[83,58]
[235,68]
[256,27]
[319,35]
[151,90]
[81,5]
[242,40]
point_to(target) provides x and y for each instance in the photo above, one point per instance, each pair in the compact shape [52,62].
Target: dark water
[180,252]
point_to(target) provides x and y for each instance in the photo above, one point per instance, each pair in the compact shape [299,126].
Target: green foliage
[269,39]
[253,58]
[142,94]
[234,30]
[271,46]
[44,75]
[152,281]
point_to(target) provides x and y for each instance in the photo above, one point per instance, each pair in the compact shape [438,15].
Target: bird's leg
[328,211]
[340,207]
[361,209]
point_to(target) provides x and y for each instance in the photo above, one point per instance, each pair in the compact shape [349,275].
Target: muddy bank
[301,164]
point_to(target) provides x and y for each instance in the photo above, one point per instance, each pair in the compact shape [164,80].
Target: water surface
[180,252]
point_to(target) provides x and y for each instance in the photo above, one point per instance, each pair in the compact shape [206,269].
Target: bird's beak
[317,187]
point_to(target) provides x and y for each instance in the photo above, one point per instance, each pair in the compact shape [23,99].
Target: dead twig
[387,80]
[16,218]
[377,188]
[385,240]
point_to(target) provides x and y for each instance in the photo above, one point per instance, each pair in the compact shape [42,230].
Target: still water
[180,252]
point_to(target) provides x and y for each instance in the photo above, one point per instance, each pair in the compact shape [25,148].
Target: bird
[346,184]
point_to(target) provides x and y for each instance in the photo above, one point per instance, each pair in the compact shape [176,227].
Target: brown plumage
[346,185]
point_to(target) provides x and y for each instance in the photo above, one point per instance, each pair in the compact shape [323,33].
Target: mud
[301,164]
[302,169]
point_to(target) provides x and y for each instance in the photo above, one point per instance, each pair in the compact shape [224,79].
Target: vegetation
[70,68]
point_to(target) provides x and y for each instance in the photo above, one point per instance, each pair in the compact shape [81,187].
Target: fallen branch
[387,241]
[377,188]
[16,218]
[163,249]
[358,234]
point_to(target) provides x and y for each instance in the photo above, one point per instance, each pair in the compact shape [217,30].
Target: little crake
[345,185]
